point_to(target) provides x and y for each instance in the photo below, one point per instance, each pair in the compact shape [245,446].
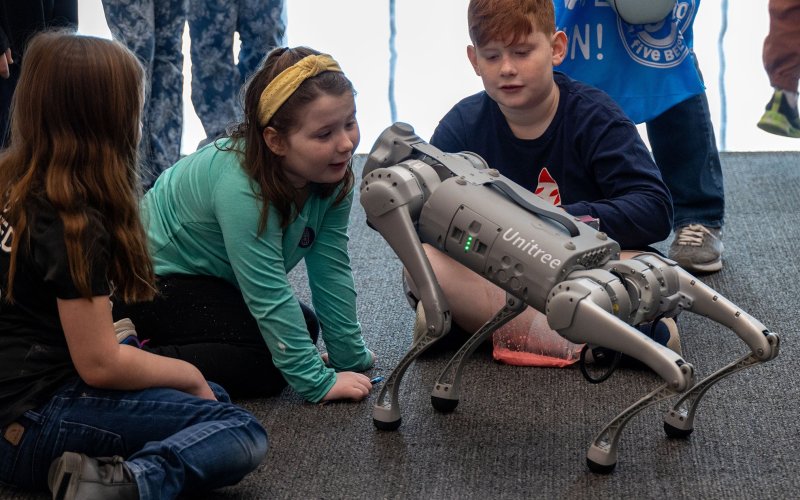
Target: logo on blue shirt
[659,45]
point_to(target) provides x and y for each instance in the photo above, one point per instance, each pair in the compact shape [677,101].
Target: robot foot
[387,426]
[679,420]
[602,454]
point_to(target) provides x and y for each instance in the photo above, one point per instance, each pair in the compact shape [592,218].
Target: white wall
[433,72]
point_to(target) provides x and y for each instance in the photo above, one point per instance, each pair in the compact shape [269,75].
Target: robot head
[642,11]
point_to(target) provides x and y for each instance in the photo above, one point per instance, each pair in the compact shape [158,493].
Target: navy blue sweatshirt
[590,160]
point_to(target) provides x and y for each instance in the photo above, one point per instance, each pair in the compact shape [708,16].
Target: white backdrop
[433,73]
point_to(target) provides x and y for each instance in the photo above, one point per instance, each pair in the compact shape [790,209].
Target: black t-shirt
[34,359]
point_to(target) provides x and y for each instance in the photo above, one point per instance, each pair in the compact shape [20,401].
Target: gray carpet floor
[524,432]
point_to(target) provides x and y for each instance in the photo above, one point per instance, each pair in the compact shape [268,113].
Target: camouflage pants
[216,79]
[153,30]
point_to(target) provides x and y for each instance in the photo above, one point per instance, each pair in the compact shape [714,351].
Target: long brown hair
[508,20]
[74,134]
[260,163]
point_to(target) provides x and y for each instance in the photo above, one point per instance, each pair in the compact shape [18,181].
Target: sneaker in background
[420,326]
[665,332]
[697,248]
[412,299]
[126,333]
[75,476]
[781,117]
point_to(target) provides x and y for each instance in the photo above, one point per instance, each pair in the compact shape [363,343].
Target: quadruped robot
[541,256]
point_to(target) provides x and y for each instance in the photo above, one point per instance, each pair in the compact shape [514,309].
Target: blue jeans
[685,150]
[172,442]
[153,29]
[216,79]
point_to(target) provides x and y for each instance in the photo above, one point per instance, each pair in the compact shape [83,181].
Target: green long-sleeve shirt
[202,217]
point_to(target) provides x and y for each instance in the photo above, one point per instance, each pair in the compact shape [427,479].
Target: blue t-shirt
[590,160]
[646,68]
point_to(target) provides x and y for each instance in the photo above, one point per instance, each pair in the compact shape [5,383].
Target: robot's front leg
[764,346]
[390,196]
[582,311]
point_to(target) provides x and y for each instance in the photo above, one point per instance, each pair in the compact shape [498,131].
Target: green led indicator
[468,244]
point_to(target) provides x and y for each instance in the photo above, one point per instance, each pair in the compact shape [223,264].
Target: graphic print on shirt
[547,189]
[308,237]
[660,45]
[6,231]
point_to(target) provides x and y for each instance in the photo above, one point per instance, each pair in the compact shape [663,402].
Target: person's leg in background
[781,56]
[261,27]
[165,104]
[215,80]
[685,149]
[153,31]
[131,23]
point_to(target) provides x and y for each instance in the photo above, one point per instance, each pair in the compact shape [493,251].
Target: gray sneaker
[667,334]
[75,476]
[697,248]
[412,299]
[420,325]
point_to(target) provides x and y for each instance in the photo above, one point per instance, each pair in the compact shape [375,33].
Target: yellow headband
[287,82]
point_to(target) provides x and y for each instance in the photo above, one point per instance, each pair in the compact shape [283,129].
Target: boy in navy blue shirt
[566,141]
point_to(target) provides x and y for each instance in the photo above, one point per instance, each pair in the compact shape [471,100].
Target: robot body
[469,221]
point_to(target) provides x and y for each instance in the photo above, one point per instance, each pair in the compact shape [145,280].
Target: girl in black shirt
[70,233]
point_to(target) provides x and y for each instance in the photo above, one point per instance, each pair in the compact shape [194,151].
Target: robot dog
[413,193]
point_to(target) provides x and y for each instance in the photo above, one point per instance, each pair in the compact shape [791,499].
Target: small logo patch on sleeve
[308,238]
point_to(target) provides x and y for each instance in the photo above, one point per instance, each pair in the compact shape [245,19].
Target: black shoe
[75,476]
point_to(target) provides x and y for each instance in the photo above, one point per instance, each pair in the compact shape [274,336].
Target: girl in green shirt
[227,223]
